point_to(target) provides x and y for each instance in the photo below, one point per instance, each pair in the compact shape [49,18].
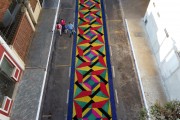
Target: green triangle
[98,13]
[100,29]
[78,90]
[99,64]
[95,8]
[83,28]
[83,47]
[106,106]
[78,62]
[96,23]
[97,41]
[79,40]
[82,104]
[91,82]
[82,71]
[103,74]
[102,49]
[101,95]
[84,12]
[80,22]
[91,117]
[80,7]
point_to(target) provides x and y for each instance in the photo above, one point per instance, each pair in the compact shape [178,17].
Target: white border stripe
[139,75]
[69,72]
[65,116]
[110,50]
[45,75]
[113,71]
[117,100]
[67,96]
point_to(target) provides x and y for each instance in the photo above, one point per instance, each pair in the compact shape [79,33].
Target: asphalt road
[56,96]
[126,87]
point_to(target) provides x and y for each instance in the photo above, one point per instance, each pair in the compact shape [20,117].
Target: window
[6,82]
[6,87]
[12,6]
[7,67]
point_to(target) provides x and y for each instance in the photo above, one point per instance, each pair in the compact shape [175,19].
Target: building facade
[11,68]
[17,26]
[162,25]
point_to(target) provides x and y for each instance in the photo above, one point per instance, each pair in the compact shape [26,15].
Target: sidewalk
[145,61]
[30,91]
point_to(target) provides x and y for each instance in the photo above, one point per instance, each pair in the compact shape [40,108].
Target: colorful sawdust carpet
[91,89]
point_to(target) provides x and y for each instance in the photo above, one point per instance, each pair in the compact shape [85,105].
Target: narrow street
[127,95]
[56,101]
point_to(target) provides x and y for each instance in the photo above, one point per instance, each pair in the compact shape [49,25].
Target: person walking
[59,28]
[63,23]
[70,28]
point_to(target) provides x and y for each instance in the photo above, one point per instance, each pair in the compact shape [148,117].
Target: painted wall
[6,51]
[37,10]
[173,84]
[23,38]
[162,24]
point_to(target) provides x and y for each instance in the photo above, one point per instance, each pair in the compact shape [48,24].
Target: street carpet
[91,95]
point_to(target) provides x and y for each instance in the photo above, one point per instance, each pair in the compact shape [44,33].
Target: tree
[168,111]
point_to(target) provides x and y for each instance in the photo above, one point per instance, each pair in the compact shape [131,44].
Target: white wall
[12,53]
[2,117]
[37,10]
[173,85]
[161,15]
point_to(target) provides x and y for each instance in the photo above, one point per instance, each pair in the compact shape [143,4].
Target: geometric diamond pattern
[91,88]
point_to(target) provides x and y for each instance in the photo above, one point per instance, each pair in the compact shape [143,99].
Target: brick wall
[33,4]
[4,5]
[23,38]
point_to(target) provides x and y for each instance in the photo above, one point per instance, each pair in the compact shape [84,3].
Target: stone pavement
[30,90]
[145,61]
[150,80]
